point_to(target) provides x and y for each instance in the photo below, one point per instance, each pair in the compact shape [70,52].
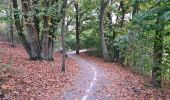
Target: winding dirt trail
[90,81]
[98,80]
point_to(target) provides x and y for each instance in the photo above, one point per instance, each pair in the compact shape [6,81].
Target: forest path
[99,80]
[90,82]
[86,78]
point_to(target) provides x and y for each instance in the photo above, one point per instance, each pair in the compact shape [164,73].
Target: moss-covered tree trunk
[19,28]
[37,48]
[31,30]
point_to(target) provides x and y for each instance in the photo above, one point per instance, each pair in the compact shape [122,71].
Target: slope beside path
[23,79]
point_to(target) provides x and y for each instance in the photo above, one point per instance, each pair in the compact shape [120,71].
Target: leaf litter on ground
[125,84]
[31,80]
[23,79]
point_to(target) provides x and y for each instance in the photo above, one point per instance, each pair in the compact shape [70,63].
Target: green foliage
[71,42]
[5,15]
[134,41]
[139,43]
[90,39]
[166,58]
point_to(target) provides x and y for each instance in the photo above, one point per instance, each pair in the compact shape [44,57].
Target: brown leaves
[124,85]
[35,79]
[6,87]
[42,80]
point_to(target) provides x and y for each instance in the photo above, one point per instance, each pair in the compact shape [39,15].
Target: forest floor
[23,79]
[86,78]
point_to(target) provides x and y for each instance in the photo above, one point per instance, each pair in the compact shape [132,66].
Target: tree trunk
[19,28]
[36,19]
[51,40]
[11,26]
[45,39]
[12,35]
[103,6]
[31,29]
[121,9]
[35,50]
[123,14]
[63,35]
[51,49]
[77,28]
[45,33]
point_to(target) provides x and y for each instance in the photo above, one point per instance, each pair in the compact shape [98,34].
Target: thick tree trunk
[45,39]
[77,28]
[51,49]
[51,40]
[35,50]
[19,28]
[31,29]
[103,6]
